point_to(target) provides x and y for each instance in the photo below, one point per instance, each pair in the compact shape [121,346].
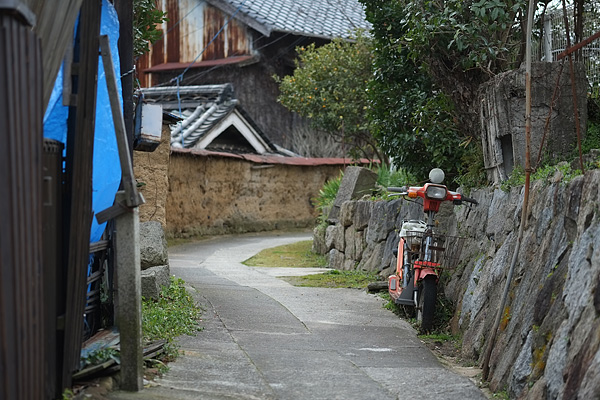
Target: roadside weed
[174,314]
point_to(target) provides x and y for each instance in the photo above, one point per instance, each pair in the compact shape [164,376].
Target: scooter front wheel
[427,299]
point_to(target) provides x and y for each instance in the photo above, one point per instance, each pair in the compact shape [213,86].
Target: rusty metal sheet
[142,64]
[238,40]
[191,40]
[188,38]
[157,54]
[173,33]
[213,21]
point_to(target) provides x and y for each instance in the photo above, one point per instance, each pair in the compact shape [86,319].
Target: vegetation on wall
[386,176]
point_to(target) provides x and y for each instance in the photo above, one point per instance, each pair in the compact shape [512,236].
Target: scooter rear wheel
[427,299]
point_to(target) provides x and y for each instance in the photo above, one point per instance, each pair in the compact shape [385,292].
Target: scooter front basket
[443,249]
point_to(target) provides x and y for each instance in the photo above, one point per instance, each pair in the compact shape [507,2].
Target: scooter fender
[421,271]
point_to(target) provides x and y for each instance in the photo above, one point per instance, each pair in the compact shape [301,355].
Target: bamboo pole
[573,88]
[500,312]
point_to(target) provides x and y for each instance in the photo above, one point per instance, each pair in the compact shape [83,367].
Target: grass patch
[177,241]
[174,314]
[335,279]
[438,337]
[295,255]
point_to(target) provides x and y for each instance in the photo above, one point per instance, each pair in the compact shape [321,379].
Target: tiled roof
[317,18]
[199,110]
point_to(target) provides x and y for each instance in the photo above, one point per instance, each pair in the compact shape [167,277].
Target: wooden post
[127,248]
[133,199]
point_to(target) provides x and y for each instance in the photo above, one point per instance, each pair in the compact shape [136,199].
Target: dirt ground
[448,353]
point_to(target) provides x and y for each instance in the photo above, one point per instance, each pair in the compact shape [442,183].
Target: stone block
[318,244]
[357,182]
[336,259]
[372,258]
[408,210]
[153,245]
[347,212]
[362,215]
[388,258]
[350,243]
[522,368]
[349,264]
[382,221]
[359,245]
[153,279]
[334,237]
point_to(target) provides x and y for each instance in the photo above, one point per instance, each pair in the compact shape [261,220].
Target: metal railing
[554,41]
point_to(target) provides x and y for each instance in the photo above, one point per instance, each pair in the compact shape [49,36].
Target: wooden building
[245,43]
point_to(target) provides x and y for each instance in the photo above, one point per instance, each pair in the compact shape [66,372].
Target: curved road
[266,339]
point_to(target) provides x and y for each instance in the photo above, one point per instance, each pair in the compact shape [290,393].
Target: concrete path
[266,339]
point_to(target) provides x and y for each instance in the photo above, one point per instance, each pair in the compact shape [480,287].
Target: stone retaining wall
[548,346]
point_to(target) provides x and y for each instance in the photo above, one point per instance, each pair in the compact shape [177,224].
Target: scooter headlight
[436,192]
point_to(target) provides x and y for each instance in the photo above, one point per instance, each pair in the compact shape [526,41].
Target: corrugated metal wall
[191,26]
[21,292]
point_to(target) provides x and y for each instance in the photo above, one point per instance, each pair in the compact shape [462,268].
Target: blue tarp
[106,167]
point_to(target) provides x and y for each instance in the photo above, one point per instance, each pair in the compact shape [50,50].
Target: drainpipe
[490,347]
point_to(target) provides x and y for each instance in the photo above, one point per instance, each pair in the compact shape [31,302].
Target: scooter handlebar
[469,200]
[395,189]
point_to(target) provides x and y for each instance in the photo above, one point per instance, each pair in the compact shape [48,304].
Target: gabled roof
[315,18]
[208,117]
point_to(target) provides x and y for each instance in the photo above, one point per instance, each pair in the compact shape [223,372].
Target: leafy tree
[411,118]
[146,17]
[430,58]
[329,87]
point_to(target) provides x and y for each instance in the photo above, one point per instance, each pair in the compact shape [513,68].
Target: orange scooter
[421,250]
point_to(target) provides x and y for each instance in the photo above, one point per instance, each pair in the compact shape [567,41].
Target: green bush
[592,138]
[387,176]
[326,197]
